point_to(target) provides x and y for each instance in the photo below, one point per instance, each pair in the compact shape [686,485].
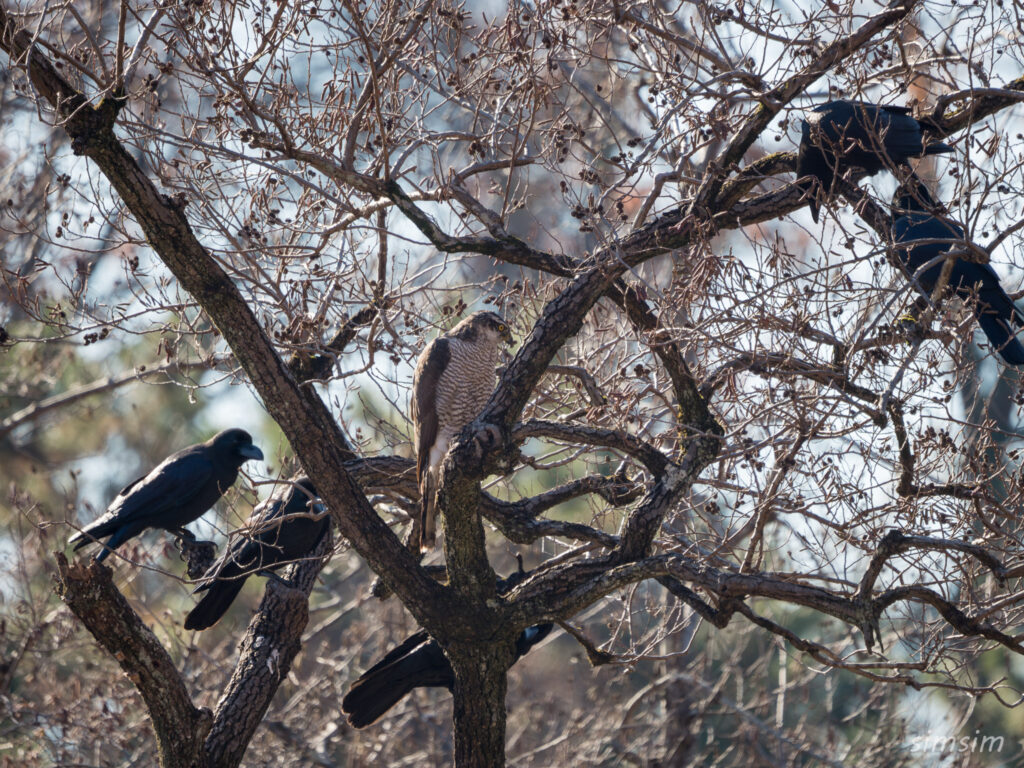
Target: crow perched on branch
[844,134]
[174,494]
[284,529]
[418,662]
[913,220]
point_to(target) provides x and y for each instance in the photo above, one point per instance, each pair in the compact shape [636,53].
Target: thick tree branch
[508,248]
[776,364]
[180,728]
[306,367]
[896,543]
[272,641]
[585,378]
[561,592]
[385,473]
[978,106]
[580,434]
[735,187]
[961,622]
[693,412]
[517,520]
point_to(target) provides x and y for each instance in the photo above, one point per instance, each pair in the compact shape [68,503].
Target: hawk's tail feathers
[428,512]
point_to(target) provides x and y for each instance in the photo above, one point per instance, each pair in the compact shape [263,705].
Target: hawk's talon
[489,433]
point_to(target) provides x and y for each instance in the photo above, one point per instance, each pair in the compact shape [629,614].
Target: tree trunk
[481,681]
[180,728]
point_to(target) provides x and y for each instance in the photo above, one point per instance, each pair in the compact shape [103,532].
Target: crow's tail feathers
[814,205]
[95,535]
[812,192]
[417,662]
[215,603]
[94,532]
[932,127]
[375,693]
[530,637]
[999,318]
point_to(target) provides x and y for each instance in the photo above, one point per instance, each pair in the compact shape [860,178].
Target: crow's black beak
[251,452]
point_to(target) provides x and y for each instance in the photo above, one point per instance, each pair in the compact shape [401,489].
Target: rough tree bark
[179,726]
[190,737]
[481,682]
[271,643]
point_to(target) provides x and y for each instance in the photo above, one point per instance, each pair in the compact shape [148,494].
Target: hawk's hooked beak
[507,335]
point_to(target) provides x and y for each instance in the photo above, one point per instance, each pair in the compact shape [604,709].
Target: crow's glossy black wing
[404,648]
[280,531]
[144,502]
[936,235]
[429,368]
[891,109]
[124,491]
[174,483]
[995,311]
[900,133]
[242,559]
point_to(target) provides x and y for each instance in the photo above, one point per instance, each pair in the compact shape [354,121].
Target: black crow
[178,491]
[913,220]
[854,134]
[418,662]
[283,530]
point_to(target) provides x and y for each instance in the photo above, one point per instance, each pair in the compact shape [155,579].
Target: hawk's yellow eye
[501,327]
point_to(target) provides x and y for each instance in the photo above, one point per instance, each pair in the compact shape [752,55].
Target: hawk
[453,380]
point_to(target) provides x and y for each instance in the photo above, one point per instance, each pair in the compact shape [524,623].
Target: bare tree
[709,394]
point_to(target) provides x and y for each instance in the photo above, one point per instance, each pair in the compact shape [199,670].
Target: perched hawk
[453,380]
